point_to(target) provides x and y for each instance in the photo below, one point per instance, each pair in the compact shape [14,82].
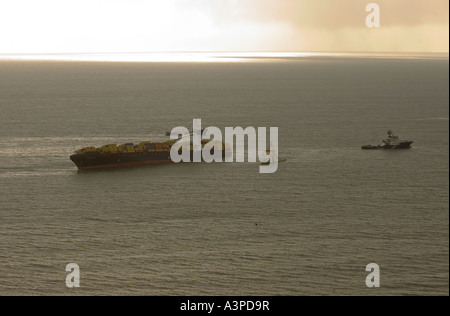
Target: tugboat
[392,142]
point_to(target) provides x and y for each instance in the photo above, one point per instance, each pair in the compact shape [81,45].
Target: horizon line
[206,56]
[226,51]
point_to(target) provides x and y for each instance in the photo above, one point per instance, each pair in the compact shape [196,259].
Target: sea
[309,229]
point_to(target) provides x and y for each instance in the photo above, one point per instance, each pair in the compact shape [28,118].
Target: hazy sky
[55,26]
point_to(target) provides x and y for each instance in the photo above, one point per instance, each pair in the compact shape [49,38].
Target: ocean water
[225,229]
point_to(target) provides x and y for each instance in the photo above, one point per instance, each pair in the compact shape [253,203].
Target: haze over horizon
[100,26]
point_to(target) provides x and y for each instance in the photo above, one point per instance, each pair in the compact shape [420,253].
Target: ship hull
[94,160]
[403,145]
[97,160]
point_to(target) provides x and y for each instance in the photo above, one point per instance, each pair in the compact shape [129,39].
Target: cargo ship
[126,155]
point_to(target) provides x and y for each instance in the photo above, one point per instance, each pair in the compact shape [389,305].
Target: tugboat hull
[405,145]
[388,146]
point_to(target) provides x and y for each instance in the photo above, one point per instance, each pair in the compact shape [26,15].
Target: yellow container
[88,149]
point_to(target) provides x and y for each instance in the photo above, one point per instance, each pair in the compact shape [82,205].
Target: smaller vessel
[392,142]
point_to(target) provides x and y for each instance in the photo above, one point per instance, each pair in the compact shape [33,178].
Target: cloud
[330,14]
[330,25]
[48,26]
